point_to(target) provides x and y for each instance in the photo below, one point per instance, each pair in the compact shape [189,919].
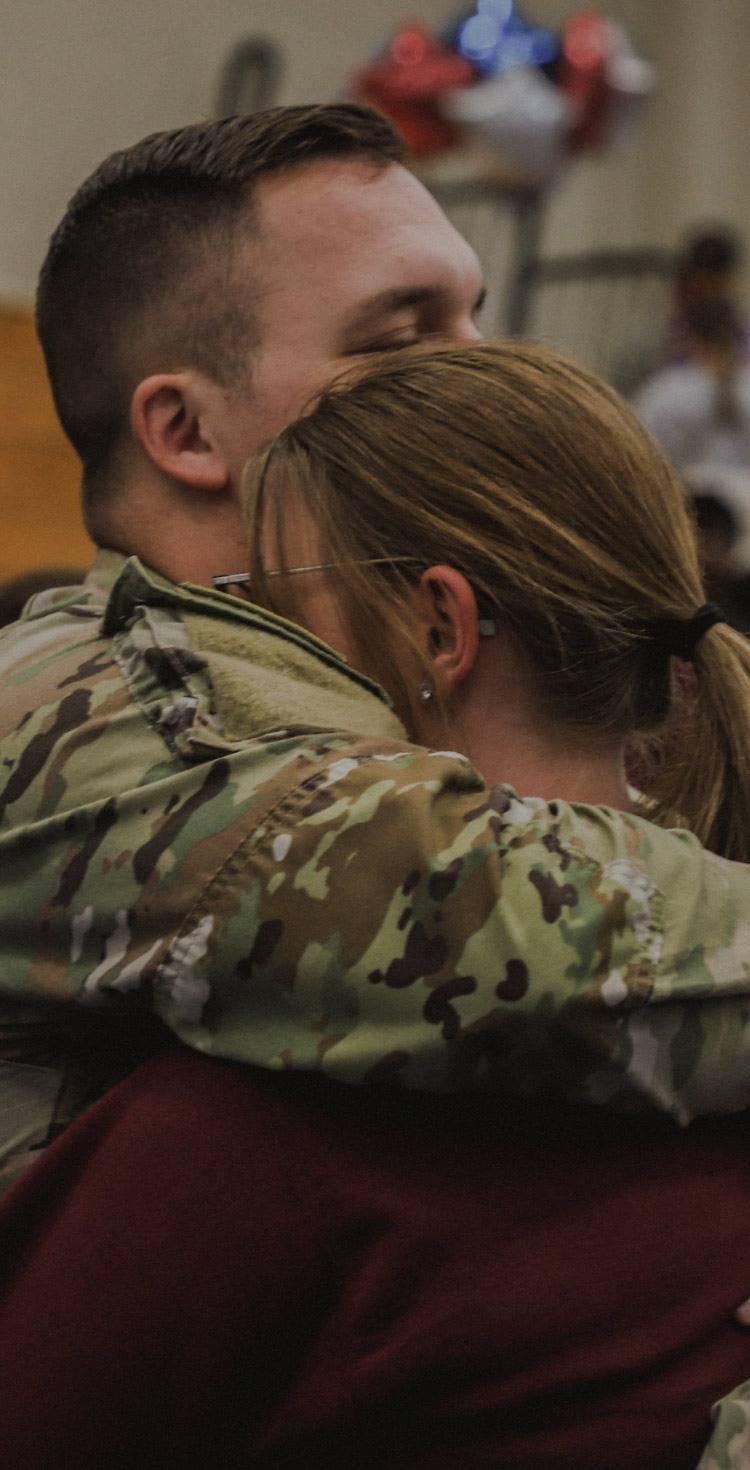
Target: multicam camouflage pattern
[185,831]
[729,1445]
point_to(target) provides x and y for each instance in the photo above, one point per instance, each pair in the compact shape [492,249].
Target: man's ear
[171,419]
[450,624]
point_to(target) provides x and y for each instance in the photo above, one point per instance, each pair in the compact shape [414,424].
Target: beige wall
[79,78]
[83,77]
[697,161]
[689,159]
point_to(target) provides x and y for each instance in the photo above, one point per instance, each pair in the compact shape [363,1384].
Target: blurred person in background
[706,278]
[707,274]
[699,408]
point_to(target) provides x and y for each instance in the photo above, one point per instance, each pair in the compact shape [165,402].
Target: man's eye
[388,344]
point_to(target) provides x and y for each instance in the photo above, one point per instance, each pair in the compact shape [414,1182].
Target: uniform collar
[122,585]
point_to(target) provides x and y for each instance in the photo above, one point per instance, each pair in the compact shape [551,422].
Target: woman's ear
[448,614]
[171,418]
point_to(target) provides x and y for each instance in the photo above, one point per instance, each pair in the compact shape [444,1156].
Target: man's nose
[468,330]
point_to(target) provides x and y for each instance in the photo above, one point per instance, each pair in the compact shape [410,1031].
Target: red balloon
[406,83]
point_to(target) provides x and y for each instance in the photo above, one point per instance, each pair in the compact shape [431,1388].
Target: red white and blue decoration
[492,78]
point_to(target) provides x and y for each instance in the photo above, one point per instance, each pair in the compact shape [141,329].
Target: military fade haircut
[140,273]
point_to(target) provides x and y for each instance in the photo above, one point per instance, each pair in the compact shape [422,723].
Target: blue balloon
[494,38]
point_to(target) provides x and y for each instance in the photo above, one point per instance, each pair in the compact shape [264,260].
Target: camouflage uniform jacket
[206,815]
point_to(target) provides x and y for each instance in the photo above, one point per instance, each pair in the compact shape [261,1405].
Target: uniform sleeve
[391,919]
[375,912]
[727,1448]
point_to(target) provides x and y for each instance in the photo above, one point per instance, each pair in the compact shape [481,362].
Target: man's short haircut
[139,276]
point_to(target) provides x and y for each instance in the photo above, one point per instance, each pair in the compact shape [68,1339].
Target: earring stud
[426,691]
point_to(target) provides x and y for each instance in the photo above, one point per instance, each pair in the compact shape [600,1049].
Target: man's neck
[184,540]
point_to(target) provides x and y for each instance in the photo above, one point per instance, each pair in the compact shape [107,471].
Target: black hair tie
[679,636]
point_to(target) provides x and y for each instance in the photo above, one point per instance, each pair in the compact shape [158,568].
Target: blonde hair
[533,478]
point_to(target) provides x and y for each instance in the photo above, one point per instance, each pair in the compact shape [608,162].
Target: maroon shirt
[219,1267]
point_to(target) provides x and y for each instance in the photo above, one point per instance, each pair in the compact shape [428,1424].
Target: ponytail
[698,774]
